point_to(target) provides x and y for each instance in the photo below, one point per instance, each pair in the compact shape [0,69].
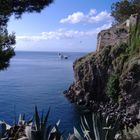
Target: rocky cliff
[116,34]
[109,79]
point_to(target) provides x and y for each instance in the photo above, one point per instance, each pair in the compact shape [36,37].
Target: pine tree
[16,8]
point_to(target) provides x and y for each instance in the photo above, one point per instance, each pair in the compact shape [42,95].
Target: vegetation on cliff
[123,9]
[113,87]
[109,80]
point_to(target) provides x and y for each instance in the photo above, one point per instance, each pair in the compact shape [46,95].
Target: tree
[123,9]
[16,8]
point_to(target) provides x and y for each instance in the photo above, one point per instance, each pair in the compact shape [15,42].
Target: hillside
[109,79]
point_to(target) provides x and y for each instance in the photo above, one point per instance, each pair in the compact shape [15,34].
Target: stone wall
[116,34]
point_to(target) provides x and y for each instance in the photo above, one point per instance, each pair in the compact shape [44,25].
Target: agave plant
[103,128]
[38,130]
[34,129]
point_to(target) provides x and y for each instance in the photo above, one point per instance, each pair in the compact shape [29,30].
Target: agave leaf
[30,122]
[23,138]
[20,119]
[47,132]
[95,127]
[28,132]
[82,124]
[85,128]
[107,135]
[77,134]
[58,122]
[37,119]
[55,136]
[86,123]
[55,132]
[71,137]
[55,129]
[107,128]
[23,116]
[46,118]
[42,118]
[36,135]
[5,138]
[107,120]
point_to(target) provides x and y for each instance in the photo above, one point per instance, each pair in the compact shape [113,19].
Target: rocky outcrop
[117,34]
[113,36]
[109,79]
[90,78]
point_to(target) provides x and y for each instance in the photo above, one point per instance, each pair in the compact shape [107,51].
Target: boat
[62,56]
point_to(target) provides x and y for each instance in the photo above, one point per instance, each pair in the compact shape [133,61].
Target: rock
[108,80]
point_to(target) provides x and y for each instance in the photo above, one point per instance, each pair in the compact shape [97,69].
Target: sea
[39,79]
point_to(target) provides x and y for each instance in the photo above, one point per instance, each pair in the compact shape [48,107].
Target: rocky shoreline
[108,81]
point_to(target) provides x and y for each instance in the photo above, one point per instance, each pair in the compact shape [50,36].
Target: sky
[64,26]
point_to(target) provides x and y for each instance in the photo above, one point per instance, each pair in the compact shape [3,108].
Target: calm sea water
[38,78]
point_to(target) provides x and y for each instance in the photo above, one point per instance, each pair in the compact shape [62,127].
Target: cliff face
[90,78]
[111,77]
[116,34]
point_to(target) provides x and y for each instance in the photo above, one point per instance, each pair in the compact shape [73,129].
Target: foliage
[99,128]
[39,131]
[16,8]
[113,87]
[104,56]
[35,129]
[6,51]
[134,39]
[103,128]
[118,50]
[122,10]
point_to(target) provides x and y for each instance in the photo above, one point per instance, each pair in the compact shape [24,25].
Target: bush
[134,39]
[113,87]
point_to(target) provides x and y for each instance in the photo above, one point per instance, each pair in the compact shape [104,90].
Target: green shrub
[113,87]
[119,50]
[134,39]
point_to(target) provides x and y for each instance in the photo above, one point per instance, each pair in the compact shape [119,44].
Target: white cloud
[91,17]
[92,12]
[74,18]
[63,34]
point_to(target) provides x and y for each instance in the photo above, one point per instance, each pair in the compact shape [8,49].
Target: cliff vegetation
[109,80]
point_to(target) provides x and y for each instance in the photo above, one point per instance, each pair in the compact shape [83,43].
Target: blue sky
[66,25]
